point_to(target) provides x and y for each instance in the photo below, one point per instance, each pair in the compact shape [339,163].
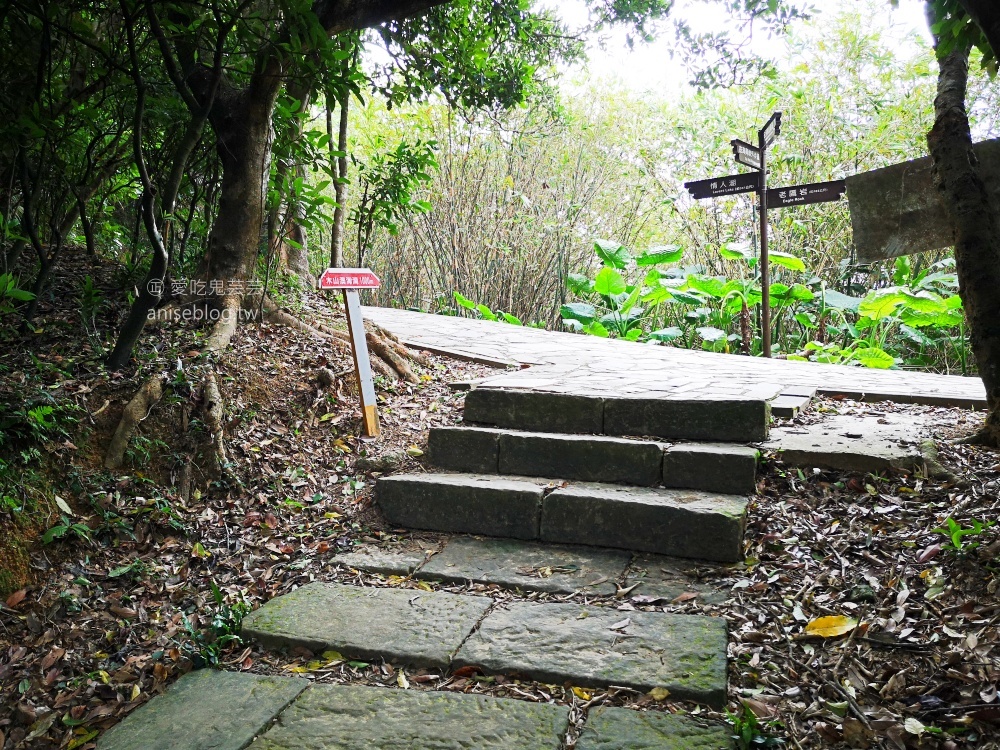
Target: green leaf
[580,311]
[486,312]
[614,254]
[787,260]
[881,304]
[660,255]
[609,282]
[874,357]
[634,334]
[596,329]
[666,334]
[464,301]
[709,285]
[710,333]
[838,301]
[579,284]
[511,319]
[737,251]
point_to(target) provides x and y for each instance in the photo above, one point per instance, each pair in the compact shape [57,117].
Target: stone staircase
[555,468]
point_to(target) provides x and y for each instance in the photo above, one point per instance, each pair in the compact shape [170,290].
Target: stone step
[680,523]
[716,467]
[548,568]
[583,645]
[213,710]
[702,417]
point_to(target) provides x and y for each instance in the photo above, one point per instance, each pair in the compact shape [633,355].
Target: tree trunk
[977,230]
[241,120]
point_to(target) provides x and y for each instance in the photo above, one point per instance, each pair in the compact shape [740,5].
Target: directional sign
[801,195]
[728,185]
[771,130]
[747,155]
[349,278]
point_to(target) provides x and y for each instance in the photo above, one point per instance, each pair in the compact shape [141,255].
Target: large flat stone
[610,728]
[589,458]
[422,628]
[462,503]
[352,717]
[737,420]
[853,443]
[686,654]
[205,710]
[382,561]
[681,523]
[535,410]
[713,467]
[666,578]
[552,568]
[472,449]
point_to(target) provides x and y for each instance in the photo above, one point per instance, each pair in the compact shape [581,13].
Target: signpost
[350,280]
[755,157]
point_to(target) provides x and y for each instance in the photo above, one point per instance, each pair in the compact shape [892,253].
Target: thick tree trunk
[242,123]
[977,229]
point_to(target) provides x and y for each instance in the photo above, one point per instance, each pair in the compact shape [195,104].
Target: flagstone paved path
[571,363]
[210,710]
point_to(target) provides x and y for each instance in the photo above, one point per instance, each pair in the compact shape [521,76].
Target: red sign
[349,278]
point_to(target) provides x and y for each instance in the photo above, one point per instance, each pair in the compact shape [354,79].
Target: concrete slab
[205,710]
[588,458]
[353,717]
[597,646]
[534,410]
[852,443]
[471,449]
[552,568]
[662,579]
[695,418]
[681,523]
[382,561]
[714,467]
[462,503]
[422,628]
[610,728]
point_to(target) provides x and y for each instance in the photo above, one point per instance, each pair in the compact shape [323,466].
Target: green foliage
[917,321]
[205,646]
[66,528]
[749,733]
[11,294]
[485,313]
[956,534]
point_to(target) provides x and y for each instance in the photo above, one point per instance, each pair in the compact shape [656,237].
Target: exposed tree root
[225,326]
[137,410]
[213,410]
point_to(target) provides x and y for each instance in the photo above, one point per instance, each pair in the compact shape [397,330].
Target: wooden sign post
[350,280]
[755,157]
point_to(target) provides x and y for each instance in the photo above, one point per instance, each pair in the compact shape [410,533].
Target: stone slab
[422,628]
[788,407]
[382,561]
[589,458]
[598,647]
[472,449]
[666,578]
[713,467]
[897,210]
[205,710]
[610,728]
[853,443]
[534,410]
[681,523]
[354,717]
[552,568]
[736,420]
[462,503]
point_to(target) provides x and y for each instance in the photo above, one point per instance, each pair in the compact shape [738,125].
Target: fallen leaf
[16,598]
[685,597]
[401,680]
[63,505]
[414,451]
[621,624]
[831,626]
[659,694]
[581,693]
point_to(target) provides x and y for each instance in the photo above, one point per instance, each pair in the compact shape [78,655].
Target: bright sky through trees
[649,67]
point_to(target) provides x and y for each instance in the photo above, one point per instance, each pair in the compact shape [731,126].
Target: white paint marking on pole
[350,280]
